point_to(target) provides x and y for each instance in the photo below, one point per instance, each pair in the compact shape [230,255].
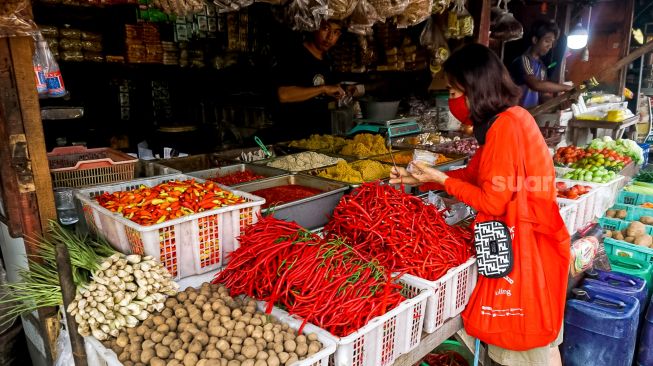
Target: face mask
[458,107]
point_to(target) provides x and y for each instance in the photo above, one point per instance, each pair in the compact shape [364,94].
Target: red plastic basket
[77,166]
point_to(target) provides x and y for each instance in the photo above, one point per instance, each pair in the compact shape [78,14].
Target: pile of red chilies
[403,233]
[327,283]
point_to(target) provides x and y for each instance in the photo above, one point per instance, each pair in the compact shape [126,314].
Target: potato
[128,363]
[222,345]
[181,313]
[289,345]
[229,354]
[236,348]
[249,350]
[617,235]
[644,240]
[167,313]
[176,345]
[621,214]
[190,359]
[162,352]
[278,337]
[207,315]
[134,356]
[233,363]
[300,339]
[202,337]
[260,363]
[195,347]
[182,296]
[158,320]
[140,330]
[167,340]
[277,347]
[174,362]
[157,362]
[236,340]
[635,228]
[611,213]
[213,354]
[268,335]
[647,220]
[257,334]
[248,362]
[302,349]
[180,354]
[229,325]
[314,347]
[283,357]
[262,355]
[292,359]
[629,239]
[124,356]
[273,361]
[608,234]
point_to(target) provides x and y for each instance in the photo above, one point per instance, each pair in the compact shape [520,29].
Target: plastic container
[77,166]
[610,189]
[601,330]
[619,282]
[450,294]
[98,355]
[645,351]
[587,204]
[388,336]
[188,245]
[633,267]
[455,346]
[568,214]
[633,213]
[632,198]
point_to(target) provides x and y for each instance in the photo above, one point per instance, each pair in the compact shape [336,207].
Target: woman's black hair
[542,27]
[479,72]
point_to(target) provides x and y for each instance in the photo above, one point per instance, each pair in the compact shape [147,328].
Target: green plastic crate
[623,249]
[452,345]
[633,212]
[633,267]
[616,224]
[632,198]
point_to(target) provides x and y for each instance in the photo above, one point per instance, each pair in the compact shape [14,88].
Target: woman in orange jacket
[482,94]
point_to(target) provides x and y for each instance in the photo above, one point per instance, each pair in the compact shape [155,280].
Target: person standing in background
[529,72]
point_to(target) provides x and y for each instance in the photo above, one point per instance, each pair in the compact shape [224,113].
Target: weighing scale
[390,128]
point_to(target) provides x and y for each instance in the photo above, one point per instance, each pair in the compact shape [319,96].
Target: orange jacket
[488,181]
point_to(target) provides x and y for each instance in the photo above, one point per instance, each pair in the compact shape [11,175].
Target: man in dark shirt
[306,85]
[529,71]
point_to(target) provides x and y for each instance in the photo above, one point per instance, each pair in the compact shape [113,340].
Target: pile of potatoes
[635,233]
[207,327]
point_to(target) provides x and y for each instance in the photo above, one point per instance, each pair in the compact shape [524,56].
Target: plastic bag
[16,19]
[416,12]
[180,7]
[440,6]
[433,39]
[389,8]
[583,254]
[306,15]
[505,27]
[341,9]
[460,23]
[64,348]
[363,19]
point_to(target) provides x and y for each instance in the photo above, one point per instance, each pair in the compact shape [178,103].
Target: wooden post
[24,169]
[68,292]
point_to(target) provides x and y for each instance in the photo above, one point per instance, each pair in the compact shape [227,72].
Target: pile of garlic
[123,292]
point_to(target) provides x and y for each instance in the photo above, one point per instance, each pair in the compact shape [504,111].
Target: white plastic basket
[450,295]
[388,336]
[187,246]
[98,355]
[568,214]
[586,205]
[607,197]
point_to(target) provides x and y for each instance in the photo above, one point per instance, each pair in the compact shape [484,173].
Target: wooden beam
[484,23]
[21,57]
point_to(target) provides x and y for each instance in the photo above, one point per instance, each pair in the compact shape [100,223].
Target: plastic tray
[450,294]
[98,355]
[265,171]
[188,245]
[388,336]
[77,166]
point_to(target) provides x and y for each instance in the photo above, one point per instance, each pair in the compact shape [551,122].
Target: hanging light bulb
[577,39]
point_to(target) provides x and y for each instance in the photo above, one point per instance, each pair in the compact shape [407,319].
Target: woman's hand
[426,174]
[402,176]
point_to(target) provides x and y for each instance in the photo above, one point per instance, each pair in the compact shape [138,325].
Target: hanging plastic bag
[341,9]
[433,39]
[465,20]
[368,57]
[440,6]
[46,67]
[180,8]
[363,18]
[389,8]
[416,12]
[306,15]
[505,27]
[15,18]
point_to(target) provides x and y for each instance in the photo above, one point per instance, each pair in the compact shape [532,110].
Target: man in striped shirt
[529,72]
